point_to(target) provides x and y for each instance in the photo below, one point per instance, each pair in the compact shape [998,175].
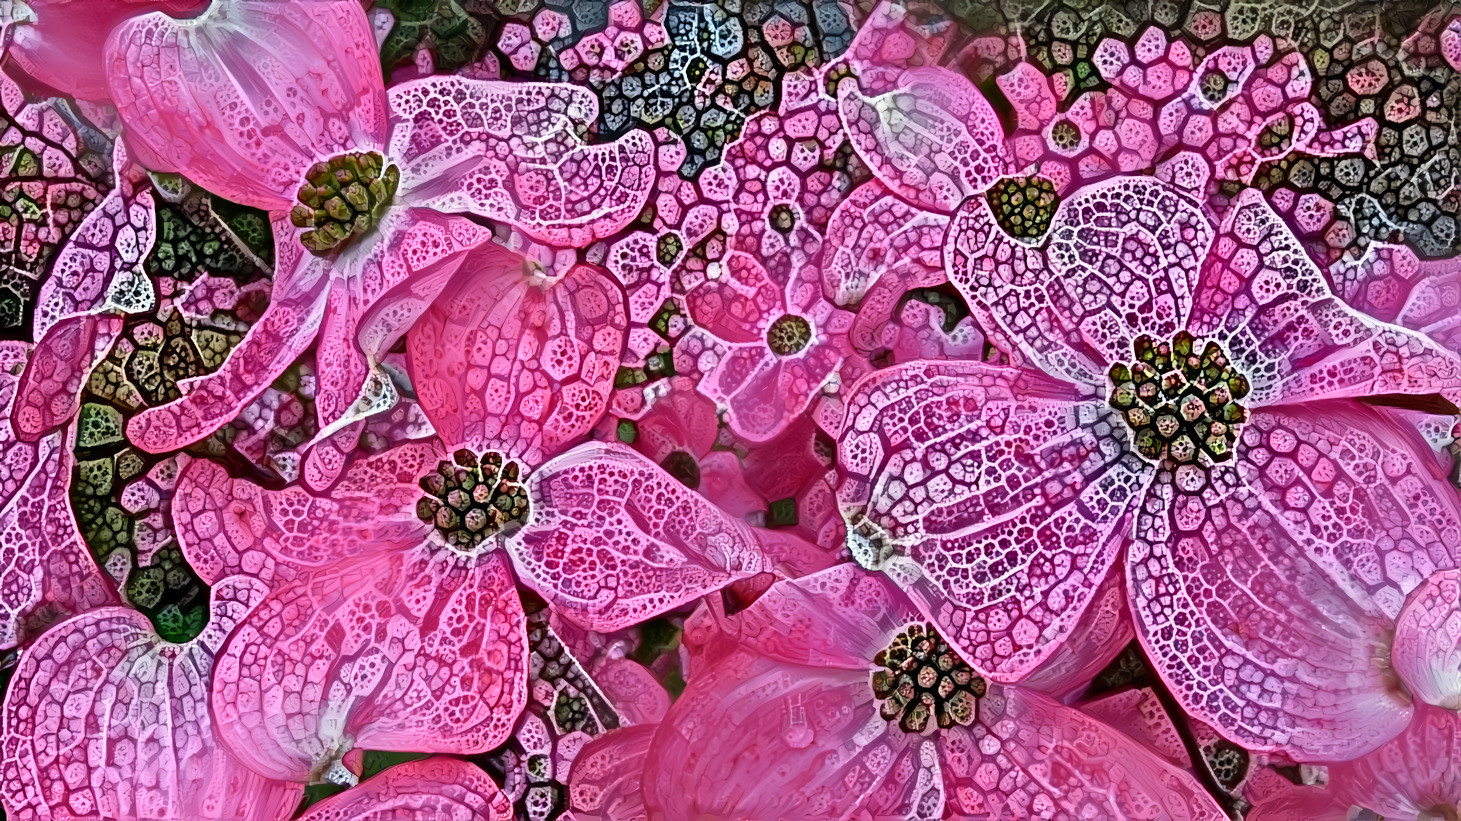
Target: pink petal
[64,47]
[228,526]
[1410,775]
[637,696]
[933,139]
[412,650]
[510,152]
[1120,259]
[1030,757]
[990,496]
[501,362]
[1102,632]
[1360,491]
[49,394]
[614,539]
[895,38]
[1301,804]
[764,393]
[1268,304]
[1250,635]
[737,300]
[1427,651]
[48,571]
[104,719]
[430,788]
[607,773]
[245,97]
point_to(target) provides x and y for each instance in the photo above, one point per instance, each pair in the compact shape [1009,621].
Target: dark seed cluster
[470,500]
[1180,404]
[925,681]
[1023,206]
[342,198]
[788,335]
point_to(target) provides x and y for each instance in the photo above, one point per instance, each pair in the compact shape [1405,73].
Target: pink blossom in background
[616,410]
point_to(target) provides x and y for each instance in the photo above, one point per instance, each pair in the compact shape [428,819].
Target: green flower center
[788,335]
[925,681]
[343,198]
[469,500]
[1180,405]
[1023,206]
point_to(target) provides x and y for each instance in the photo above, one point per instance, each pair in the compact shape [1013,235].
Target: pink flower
[831,697]
[281,106]
[1187,398]
[429,788]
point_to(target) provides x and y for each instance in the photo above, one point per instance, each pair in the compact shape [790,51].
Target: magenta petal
[1427,651]
[49,393]
[1301,804]
[104,719]
[228,526]
[245,97]
[991,496]
[615,540]
[48,571]
[413,650]
[1121,259]
[503,363]
[1412,774]
[510,152]
[431,788]
[605,784]
[933,139]
[1250,635]
[1031,757]
[1104,630]
[1266,301]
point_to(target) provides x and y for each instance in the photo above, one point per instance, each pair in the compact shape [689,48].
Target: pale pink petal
[1427,651]
[511,152]
[48,572]
[933,139]
[764,393]
[992,496]
[605,784]
[1121,259]
[64,46]
[1030,757]
[1413,774]
[415,650]
[894,38]
[104,719]
[1360,491]
[245,97]
[49,393]
[1249,634]
[636,695]
[505,363]
[613,539]
[1269,306]
[228,526]
[1301,804]
[99,267]
[1104,630]
[428,789]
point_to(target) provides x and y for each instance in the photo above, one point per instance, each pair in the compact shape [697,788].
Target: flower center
[469,500]
[343,198]
[925,679]
[1180,405]
[1023,206]
[788,335]
[782,218]
[683,466]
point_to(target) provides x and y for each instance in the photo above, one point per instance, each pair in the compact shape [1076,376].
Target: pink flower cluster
[912,421]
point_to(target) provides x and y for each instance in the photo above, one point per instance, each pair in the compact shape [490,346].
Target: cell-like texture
[105,719]
[319,97]
[513,359]
[787,724]
[1427,651]
[432,788]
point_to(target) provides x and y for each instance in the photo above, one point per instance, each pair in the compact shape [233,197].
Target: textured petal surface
[49,393]
[995,496]
[432,789]
[244,98]
[503,363]
[46,571]
[1120,259]
[410,650]
[1250,635]
[511,152]
[1269,305]
[614,539]
[106,720]
[1410,775]
[933,139]
[228,525]
[1427,652]
[606,778]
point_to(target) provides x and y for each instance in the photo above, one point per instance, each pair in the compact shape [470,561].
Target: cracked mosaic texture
[645,410]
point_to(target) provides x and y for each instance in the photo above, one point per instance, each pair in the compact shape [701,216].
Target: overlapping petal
[1427,651]
[432,788]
